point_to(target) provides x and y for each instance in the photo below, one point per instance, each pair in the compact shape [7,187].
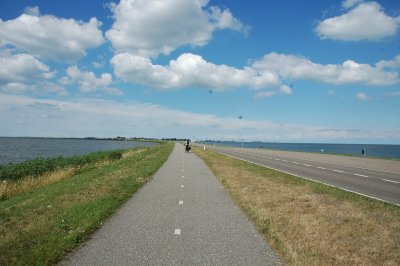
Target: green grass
[40,166]
[41,226]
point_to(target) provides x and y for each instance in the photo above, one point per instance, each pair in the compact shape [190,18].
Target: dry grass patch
[309,223]
[11,188]
[132,152]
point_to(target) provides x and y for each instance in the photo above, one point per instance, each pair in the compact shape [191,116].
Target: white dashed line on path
[338,171]
[307,165]
[177,232]
[361,175]
[180,202]
[319,167]
[182,186]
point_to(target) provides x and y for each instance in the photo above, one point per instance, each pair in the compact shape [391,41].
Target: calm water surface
[14,150]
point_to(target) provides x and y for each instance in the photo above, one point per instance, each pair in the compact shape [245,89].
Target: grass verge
[40,166]
[12,187]
[39,227]
[309,223]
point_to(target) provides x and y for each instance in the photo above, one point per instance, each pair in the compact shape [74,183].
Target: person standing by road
[363,152]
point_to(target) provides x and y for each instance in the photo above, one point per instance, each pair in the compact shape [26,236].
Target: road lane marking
[357,167]
[307,165]
[182,185]
[180,202]
[338,171]
[361,175]
[183,176]
[313,180]
[295,162]
[177,232]
[391,181]
[319,167]
[284,161]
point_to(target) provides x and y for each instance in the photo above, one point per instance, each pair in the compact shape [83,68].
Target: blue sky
[281,71]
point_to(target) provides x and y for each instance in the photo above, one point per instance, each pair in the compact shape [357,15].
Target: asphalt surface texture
[183,216]
[374,178]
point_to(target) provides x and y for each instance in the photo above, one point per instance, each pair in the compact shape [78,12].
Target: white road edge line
[177,232]
[180,202]
[182,186]
[391,181]
[348,190]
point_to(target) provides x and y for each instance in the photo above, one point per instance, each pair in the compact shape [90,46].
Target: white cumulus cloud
[188,70]
[366,21]
[49,37]
[21,68]
[389,64]
[349,72]
[88,82]
[151,27]
[22,73]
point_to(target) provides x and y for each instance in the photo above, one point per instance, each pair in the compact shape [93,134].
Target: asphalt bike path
[183,216]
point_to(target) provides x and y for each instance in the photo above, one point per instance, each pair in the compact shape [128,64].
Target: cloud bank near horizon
[87,117]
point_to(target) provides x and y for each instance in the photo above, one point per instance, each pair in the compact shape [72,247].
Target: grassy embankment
[309,223]
[40,224]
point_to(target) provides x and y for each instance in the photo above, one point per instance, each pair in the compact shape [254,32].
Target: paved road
[182,217]
[374,178]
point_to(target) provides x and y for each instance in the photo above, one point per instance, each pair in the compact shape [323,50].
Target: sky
[276,71]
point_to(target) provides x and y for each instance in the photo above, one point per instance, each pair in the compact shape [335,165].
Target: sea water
[14,150]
